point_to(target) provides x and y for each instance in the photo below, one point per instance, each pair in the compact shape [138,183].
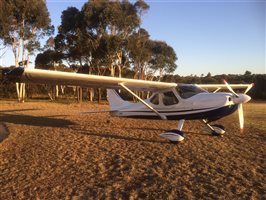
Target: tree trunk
[119,55]
[22,85]
[17,89]
[74,91]
[50,96]
[120,71]
[112,70]
[16,52]
[91,93]
[21,92]
[99,95]
[79,94]
[62,89]
[56,91]
[49,92]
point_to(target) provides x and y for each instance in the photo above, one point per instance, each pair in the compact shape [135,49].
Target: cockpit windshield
[186,90]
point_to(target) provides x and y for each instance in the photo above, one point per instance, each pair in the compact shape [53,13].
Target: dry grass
[54,152]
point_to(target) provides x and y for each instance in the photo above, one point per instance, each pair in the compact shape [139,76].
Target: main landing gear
[217,129]
[175,135]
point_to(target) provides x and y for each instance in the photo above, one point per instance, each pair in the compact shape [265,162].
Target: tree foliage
[47,59]
[108,33]
[163,58]
[24,22]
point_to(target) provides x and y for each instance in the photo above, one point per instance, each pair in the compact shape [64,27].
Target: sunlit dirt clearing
[54,152]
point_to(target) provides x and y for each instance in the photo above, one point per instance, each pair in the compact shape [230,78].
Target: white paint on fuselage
[201,102]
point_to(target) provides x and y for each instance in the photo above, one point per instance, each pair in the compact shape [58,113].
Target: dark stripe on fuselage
[168,111]
[210,115]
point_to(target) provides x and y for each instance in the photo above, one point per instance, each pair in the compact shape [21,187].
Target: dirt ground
[51,151]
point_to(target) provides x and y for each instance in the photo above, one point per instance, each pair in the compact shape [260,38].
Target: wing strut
[216,90]
[142,101]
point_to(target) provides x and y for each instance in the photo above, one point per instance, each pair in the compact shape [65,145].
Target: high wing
[217,87]
[222,86]
[75,79]
[27,75]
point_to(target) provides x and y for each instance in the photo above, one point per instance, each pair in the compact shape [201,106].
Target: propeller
[230,89]
[241,117]
[239,99]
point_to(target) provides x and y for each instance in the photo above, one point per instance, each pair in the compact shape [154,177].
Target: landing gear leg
[217,130]
[175,135]
[180,124]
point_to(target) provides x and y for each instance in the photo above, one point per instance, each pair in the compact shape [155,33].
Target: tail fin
[115,100]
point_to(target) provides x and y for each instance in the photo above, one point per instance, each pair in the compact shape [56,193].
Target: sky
[220,37]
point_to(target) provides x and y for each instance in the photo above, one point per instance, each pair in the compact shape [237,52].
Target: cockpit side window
[155,99]
[169,98]
[187,91]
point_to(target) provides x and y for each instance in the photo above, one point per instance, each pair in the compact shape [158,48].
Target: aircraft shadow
[141,128]
[18,110]
[128,138]
[197,133]
[45,121]
[4,132]
[119,137]
[162,130]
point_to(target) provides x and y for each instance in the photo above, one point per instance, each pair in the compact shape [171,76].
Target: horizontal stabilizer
[97,111]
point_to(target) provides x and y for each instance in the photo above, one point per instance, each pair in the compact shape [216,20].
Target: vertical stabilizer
[115,101]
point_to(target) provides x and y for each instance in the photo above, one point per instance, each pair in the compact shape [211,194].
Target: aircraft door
[169,98]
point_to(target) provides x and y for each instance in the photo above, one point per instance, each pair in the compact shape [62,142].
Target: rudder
[115,100]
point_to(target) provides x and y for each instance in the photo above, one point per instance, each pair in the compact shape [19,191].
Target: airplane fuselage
[175,104]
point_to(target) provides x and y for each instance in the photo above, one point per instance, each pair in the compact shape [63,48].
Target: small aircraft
[169,101]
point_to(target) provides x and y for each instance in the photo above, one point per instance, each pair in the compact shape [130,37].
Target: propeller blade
[241,117]
[229,88]
[249,87]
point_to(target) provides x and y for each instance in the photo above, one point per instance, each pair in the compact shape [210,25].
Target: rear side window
[155,99]
[169,98]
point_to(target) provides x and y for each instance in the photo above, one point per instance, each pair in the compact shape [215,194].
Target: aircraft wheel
[174,136]
[177,132]
[219,130]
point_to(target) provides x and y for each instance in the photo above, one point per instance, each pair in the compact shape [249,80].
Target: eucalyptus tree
[149,57]
[96,35]
[75,41]
[139,50]
[49,59]
[22,24]
[163,58]
[99,31]
[112,21]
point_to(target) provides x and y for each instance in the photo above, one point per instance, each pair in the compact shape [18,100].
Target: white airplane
[169,101]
